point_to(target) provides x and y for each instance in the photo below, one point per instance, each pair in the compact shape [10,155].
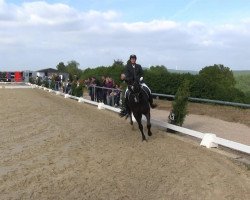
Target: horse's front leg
[148,124]
[138,119]
[131,120]
[130,117]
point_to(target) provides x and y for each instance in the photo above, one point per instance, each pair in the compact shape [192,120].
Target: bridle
[135,94]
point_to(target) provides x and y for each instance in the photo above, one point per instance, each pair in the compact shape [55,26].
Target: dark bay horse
[139,105]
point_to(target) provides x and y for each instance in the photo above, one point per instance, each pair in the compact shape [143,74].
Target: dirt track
[56,148]
[236,132]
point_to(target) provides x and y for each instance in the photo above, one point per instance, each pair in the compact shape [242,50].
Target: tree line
[215,82]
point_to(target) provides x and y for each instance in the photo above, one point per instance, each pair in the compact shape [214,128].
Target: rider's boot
[125,109]
[151,101]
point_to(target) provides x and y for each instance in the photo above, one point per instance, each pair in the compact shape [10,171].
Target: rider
[134,72]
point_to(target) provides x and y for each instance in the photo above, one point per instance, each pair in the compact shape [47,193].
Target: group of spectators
[100,90]
[54,82]
[104,90]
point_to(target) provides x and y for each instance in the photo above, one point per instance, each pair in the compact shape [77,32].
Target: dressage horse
[139,105]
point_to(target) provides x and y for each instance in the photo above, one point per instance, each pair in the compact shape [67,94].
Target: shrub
[179,110]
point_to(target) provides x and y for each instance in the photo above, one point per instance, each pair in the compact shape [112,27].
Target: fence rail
[192,99]
[206,100]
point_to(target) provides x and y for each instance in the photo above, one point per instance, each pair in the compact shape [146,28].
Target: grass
[243,82]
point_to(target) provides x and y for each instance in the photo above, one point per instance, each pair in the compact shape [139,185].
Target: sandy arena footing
[56,148]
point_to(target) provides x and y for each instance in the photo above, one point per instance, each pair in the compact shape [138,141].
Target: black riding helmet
[132,56]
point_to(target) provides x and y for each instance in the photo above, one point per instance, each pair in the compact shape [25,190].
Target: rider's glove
[141,79]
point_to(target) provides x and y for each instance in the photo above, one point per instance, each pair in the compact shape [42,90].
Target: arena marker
[81,100]
[209,141]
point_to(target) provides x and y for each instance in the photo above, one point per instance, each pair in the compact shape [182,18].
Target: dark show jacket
[133,73]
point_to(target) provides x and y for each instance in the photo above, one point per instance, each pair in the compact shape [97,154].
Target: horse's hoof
[144,140]
[150,134]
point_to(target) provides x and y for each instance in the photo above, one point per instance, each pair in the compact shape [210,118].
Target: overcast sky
[187,34]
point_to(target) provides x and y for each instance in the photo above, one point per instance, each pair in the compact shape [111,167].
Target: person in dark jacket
[134,72]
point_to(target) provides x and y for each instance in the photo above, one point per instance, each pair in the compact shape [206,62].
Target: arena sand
[56,148]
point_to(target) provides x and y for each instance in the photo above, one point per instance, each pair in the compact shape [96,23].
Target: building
[24,76]
[49,72]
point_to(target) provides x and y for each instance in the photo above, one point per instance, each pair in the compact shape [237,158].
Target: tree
[214,82]
[157,78]
[114,71]
[118,63]
[218,74]
[73,70]
[61,67]
[179,111]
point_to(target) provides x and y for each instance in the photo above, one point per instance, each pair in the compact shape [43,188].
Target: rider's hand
[123,76]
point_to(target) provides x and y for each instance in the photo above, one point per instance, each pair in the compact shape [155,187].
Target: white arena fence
[15,85]
[207,139]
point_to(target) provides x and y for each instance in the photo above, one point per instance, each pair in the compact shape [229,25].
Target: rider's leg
[150,97]
[125,107]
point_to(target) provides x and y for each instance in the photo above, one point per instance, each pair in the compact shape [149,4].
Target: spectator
[117,95]
[104,91]
[109,84]
[96,90]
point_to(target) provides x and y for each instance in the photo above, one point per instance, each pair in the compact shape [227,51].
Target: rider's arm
[140,71]
[128,74]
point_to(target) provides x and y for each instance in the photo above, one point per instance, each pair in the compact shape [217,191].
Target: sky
[181,34]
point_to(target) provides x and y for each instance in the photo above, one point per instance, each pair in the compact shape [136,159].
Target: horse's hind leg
[138,119]
[148,124]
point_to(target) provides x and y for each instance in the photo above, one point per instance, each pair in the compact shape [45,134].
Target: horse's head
[135,90]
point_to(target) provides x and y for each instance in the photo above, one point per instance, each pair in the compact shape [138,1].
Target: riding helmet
[132,56]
